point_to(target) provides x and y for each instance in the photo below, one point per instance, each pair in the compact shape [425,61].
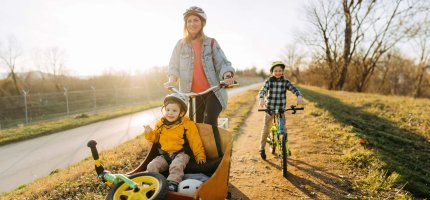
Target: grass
[385,139]
[27,132]
[80,180]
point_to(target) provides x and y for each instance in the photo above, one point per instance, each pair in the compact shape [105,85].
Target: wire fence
[30,108]
[38,107]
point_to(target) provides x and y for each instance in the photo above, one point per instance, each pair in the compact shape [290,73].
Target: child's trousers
[176,168]
[268,120]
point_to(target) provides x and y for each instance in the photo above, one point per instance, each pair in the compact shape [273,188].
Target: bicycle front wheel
[272,142]
[151,186]
[284,155]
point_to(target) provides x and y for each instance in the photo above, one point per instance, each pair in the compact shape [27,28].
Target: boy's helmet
[277,63]
[189,186]
[181,99]
[195,10]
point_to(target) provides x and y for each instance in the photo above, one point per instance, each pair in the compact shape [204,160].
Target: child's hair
[171,101]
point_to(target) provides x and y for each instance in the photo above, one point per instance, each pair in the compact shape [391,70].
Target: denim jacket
[215,64]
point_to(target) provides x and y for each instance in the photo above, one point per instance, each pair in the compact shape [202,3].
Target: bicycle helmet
[195,10]
[277,63]
[181,99]
[189,186]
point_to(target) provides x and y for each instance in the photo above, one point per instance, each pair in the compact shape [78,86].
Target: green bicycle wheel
[272,142]
[151,185]
[284,156]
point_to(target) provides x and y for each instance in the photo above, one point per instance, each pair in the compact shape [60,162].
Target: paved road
[23,162]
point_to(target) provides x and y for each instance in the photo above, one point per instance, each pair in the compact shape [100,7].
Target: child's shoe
[172,185]
[263,154]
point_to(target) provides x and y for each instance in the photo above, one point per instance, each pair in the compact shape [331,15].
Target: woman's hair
[200,36]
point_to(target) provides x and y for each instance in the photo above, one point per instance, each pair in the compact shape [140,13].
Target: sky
[136,35]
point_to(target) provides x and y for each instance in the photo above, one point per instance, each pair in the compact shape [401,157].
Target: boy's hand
[201,162]
[261,102]
[147,128]
[299,100]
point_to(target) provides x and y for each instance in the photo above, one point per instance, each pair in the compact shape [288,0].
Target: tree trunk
[347,46]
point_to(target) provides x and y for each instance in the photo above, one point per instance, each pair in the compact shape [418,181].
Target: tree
[55,58]
[294,59]
[9,56]
[423,43]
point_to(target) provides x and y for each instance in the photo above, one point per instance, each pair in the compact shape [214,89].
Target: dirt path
[314,168]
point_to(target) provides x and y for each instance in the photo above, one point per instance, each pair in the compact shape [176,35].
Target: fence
[29,108]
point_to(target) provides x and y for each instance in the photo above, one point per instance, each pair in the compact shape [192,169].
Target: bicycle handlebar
[293,108]
[222,84]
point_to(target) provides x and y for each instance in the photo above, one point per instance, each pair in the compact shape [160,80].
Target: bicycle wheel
[151,185]
[284,155]
[272,142]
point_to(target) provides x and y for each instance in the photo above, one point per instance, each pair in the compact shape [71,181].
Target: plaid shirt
[276,90]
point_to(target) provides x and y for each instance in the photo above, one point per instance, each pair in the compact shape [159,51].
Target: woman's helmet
[189,186]
[195,10]
[181,99]
[277,63]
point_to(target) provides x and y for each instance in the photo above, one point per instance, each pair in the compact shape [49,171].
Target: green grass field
[394,132]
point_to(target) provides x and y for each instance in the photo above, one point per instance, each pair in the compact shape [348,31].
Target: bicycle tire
[152,186]
[284,156]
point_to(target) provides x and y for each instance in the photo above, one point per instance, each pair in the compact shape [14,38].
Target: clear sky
[139,34]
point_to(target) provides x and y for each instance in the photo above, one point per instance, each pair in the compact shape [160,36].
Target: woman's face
[172,112]
[277,72]
[194,25]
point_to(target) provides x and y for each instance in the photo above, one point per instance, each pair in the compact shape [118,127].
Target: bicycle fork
[107,177]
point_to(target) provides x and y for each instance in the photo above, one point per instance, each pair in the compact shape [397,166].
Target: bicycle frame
[193,95]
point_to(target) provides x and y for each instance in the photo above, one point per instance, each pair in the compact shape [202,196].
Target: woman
[199,63]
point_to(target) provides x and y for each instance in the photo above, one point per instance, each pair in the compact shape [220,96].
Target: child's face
[278,72]
[173,112]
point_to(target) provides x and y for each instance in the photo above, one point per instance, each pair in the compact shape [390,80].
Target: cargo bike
[139,184]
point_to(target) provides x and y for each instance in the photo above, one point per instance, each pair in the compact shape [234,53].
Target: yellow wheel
[151,186]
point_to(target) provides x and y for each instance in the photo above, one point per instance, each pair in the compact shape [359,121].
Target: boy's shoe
[263,154]
[172,185]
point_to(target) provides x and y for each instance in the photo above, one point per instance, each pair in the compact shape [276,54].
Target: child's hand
[201,162]
[147,128]
[261,102]
[299,100]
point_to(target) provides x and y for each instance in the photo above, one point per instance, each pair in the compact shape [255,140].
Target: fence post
[25,104]
[94,97]
[67,99]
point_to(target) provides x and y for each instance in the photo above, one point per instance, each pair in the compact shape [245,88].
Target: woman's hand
[228,78]
[170,82]
[201,162]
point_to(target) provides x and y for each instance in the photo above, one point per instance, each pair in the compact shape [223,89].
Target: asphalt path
[26,161]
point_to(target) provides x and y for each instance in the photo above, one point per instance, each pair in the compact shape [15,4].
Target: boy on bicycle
[275,88]
[175,134]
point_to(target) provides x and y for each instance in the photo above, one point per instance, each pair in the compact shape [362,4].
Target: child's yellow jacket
[171,138]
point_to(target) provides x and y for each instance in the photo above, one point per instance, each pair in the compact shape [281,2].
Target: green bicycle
[278,138]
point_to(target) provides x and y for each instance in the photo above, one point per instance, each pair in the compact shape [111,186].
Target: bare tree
[55,58]
[325,17]
[370,29]
[422,44]
[9,56]
[294,59]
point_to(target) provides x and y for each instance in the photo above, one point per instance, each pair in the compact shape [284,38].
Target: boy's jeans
[268,120]
[176,168]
